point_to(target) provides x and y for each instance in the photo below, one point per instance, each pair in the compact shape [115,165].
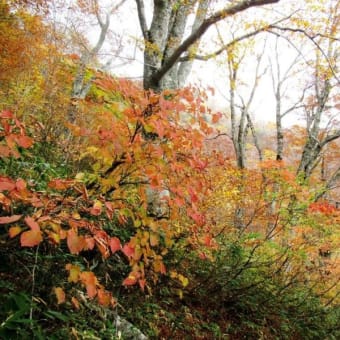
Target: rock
[127,330]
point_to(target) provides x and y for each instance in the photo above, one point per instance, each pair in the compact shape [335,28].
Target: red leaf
[6,184]
[202,256]
[96,210]
[142,283]
[193,195]
[20,184]
[32,223]
[115,244]
[6,114]
[179,201]
[24,141]
[128,250]
[30,238]
[74,242]
[197,217]
[9,219]
[130,280]
[208,240]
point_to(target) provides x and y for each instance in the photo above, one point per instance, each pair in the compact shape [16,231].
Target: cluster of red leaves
[12,135]
[74,213]
[322,207]
[54,211]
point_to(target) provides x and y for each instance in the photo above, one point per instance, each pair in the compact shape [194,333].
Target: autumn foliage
[136,206]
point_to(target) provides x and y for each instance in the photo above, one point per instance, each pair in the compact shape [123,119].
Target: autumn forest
[139,200]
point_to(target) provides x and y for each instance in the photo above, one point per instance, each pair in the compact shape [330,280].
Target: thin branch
[312,39]
[234,41]
[218,135]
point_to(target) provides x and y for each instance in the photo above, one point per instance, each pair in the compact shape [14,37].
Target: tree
[241,123]
[281,81]
[166,42]
[81,85]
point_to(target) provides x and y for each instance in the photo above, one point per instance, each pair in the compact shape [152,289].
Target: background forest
[132,208]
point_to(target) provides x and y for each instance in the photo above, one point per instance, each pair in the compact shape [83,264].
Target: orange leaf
[74,242]
[5,151]
[159,267]
[115,244]
[9,219]
[90,242]
[32,223]
[104,297]
[14,231]
[75,303]
[60,184]
[208,240]
[24,141]
[30,238]
[216,117]
[60,294]
[89,280]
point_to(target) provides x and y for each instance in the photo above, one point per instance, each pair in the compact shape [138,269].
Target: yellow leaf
[154,240]
[184,281]
[74,272]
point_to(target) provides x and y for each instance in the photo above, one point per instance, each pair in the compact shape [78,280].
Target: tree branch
[312,39]
[329,138]
[234,41]
[142,19]
[193,37]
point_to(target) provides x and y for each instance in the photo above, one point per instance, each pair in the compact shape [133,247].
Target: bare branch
[312,39]
[119,4]
[329,184]
[234,41]
[329,138]
[142,19]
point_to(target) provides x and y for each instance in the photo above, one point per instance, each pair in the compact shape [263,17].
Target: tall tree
[166,41]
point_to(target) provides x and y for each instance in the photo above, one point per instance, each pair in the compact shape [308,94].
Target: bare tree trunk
[315,140]
[164,39]
[81,86]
